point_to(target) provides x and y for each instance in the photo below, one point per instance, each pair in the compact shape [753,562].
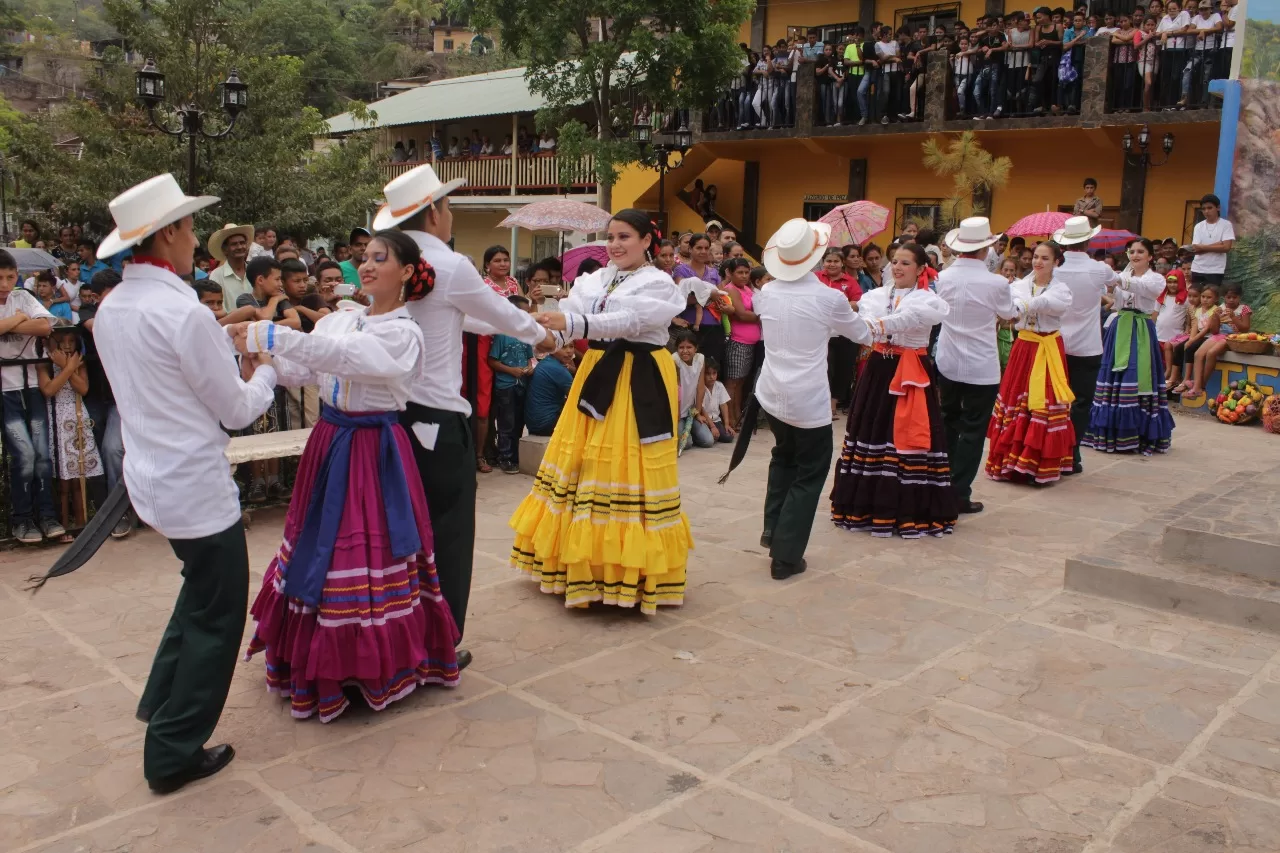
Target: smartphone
[551,291]
[344,289]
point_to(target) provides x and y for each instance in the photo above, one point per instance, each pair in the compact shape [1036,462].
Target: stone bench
[1261,370]
[532,448]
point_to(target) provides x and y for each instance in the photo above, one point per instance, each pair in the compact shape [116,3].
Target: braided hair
[408,254]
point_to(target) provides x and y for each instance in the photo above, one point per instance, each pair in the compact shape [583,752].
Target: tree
[416,13]
[611,56]
[974,173]
[312,31]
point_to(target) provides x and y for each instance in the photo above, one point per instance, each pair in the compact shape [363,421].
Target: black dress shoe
[210,762]
[1077,468]
[143,715]
[464,659]
[766,539]
[781,570]
[970,507]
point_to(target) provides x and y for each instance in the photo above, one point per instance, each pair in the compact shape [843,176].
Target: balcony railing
[502,175]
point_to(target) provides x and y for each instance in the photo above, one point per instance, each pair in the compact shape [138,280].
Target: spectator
[712,422]
[889,86]
[813,49]
[357,242]
[329,276]
[65,383]
[51,297]
[302,403]
[548,389]
[30,235]
[523,140]
[398,152]
[26,421]
[546,143]
[1089,204]
[264,239]
[89,263]
[231,245]
[962,63]
[411,153]
[267,297]
[689,367]
[512,363]
[1211,241]
[437,149]
[506,145]
[1071,70]
[486,147]
[100,401]
[66,250]
[455,150]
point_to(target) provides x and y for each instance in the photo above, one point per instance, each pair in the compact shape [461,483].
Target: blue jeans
[702,435]
[26,437]
[508,411]
[986,90]
[864,93]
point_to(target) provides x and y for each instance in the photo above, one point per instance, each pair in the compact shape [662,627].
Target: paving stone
[1246,751]
[1190,817]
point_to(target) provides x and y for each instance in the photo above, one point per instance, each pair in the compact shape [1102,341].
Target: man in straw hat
[798,315]
[1081,325]
[173,371]
[437,414]
[968,358]
[230,245]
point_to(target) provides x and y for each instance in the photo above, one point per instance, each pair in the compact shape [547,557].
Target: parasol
[856,222]
[1111,240]
[1038,224]
[34,260]
[573,258]
[559,214]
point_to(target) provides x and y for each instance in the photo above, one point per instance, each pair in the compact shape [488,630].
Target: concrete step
[1132,567]
[1235,554]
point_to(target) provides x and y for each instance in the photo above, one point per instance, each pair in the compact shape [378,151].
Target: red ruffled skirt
[1027,445]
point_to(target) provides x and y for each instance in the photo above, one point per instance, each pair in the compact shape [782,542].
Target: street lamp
[234,97]
[657,155]
[1143,161]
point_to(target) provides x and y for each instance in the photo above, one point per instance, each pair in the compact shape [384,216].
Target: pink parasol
[1038,224]
[558,214]
[1111,240]
[856,222]
[573,258]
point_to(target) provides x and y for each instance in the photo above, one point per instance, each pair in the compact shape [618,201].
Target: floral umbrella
[856,222]
[1111,240]
[1038,224]
[559,214]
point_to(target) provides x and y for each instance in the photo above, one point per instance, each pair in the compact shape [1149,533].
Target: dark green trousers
[191,674]
[966,411]
[448,474]
[797,472]
[1082,376]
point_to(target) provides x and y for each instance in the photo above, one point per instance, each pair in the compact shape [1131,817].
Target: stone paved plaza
[912,697]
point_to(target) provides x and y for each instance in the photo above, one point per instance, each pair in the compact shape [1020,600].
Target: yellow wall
[477,230]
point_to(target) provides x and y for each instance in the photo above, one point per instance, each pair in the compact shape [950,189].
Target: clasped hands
[239,333]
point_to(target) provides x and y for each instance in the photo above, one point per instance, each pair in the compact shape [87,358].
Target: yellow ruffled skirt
[603,522]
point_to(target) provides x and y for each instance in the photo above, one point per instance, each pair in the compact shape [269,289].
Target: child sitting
[48,292]
[711,424]
[1233,318]
[1204,324]
[1171,321]
[65,384]
[689,368]
[512,364]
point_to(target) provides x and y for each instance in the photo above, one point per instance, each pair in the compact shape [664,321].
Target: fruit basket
[1271,414]
[1249,343]
[1239,403]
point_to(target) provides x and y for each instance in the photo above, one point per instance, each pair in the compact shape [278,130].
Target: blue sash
[313,553]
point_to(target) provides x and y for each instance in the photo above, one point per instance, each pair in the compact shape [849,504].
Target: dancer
[351,598]
[1081,332]
[603,521]
[1130,412]
[799,314]
[1030,431]
[968,350]
[894,475]
[174,375]
[437,415]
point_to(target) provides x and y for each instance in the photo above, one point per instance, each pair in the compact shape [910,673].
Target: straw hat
[143,210]
[217,238]
[795,248]
[973,235]
[411,192]
[1077,229]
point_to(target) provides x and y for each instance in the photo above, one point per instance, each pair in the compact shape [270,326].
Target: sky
[1264,10]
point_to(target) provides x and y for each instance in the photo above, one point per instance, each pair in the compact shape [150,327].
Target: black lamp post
[657,155]
[1141,160]
[234,95]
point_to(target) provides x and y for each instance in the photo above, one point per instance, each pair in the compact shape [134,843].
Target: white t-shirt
[1168,24]
[1104,31]
[1210,40]
[15,345]
[690,377]
[713,399]
[1233,15]
[1213,263]
[72,289]
[1171,319]
[887,48]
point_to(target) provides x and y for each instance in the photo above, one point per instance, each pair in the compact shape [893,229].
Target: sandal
[482,466]
[1179,389]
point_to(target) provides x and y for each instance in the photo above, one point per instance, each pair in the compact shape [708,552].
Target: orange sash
[911,431]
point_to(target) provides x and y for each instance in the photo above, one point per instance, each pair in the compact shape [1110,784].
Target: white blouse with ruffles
[909,315]
[1138,292]
[1042,308]
[635,306]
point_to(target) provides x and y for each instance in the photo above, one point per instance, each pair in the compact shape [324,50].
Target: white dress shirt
[908,315]
[967,349]
[609,304]
[174,375]
[1041,308]
[797,319]
[459,291]
[360,363]
[1088,280]
[1138,292]
[233,286]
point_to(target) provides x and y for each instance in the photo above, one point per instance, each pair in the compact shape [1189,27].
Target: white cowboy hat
[143,210]
[795,248]
[410,193]
[217,238]
[973,234]
[1077,229]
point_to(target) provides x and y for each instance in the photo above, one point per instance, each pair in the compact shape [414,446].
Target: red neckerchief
[155,262]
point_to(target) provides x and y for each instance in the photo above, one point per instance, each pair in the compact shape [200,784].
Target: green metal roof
[495,93]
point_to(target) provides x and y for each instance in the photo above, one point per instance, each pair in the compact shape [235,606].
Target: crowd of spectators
[476,144]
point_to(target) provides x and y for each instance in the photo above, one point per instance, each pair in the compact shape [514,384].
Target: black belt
[648,392]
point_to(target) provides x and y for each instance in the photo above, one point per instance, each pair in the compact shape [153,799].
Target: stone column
[1094,77]
[866,14]
[857,179]
[806,97]
[750,206]
[1133,192]
[994,7]
[759,24]
[935,89]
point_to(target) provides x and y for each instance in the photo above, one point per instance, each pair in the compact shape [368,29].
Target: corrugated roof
[495,93]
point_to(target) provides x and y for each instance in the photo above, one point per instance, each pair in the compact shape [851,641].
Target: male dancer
[968,358]
[1082,324]
[798,314]
[173,371]
[438,415]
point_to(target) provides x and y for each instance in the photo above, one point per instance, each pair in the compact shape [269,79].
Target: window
[925,212]
[1192,216]
[546,246]
[945,15]
[448,44]
[815,210]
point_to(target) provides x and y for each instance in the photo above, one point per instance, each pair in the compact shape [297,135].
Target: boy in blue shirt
[548,389]
[511,361]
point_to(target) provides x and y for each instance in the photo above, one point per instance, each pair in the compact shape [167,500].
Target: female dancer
[1030,431]
[351,600]
[744,337]
[894,474]
[603,522]
[1130,411]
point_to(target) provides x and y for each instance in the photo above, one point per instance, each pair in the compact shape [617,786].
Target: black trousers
[966,411]
[192,671]
[448,472]
[797,472]
[1082,376]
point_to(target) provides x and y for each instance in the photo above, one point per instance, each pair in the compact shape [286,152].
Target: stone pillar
[759,24]
[994,7]
[750,206]
[806,97]
[866,14]
[1133,192]
[935,89]
[1094,80]
[857,179]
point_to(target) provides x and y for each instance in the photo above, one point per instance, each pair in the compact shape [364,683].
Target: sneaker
[123,527]
[884,119]
[999,113]
[26,533]
[51,529]
[510,468]
[257,493]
